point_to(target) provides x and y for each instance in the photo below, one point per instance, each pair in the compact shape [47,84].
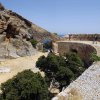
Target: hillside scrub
[34,43]
[94,57]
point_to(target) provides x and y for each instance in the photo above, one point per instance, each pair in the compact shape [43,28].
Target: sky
[59,16]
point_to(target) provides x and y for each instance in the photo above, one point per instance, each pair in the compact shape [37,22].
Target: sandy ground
[18,65]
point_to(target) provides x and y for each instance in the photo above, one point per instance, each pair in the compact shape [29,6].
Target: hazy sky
[60,16]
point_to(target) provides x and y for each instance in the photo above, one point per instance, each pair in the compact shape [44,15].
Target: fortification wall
[85,87]
[83,50]
[81,37]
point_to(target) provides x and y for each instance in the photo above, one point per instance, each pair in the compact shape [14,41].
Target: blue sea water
[61,35]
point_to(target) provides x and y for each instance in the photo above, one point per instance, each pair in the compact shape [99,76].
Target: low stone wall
[86,87]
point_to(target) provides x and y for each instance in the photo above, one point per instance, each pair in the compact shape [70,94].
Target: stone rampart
[83,50]
[85,87]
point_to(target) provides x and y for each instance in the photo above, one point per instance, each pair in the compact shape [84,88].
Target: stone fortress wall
[83,50]
[85,87]
[81,37]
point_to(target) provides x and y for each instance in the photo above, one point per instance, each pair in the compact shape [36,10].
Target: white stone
[4,70]
[55,98]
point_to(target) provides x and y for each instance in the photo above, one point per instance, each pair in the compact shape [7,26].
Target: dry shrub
[74,94]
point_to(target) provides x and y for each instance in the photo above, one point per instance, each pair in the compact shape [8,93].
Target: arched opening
[74,50]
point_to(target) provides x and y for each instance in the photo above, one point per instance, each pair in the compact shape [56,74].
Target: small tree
[64,76]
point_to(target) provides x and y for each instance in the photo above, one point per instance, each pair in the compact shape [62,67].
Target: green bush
[94,57]
[25,86]
[75,64]
[34,43]
[61,69]
[64,76]
[41,63]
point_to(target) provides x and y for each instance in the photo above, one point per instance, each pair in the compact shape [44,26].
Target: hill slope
[15,33]
[15,25]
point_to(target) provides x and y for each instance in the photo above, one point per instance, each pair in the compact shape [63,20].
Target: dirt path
[18,65]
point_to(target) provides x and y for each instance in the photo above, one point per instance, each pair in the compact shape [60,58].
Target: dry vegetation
[73,94]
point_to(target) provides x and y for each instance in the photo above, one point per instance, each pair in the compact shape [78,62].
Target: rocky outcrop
[16,48]
[15,33]
[16,26]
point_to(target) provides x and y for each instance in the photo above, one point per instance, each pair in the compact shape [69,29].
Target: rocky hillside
[15,33]
[16,26]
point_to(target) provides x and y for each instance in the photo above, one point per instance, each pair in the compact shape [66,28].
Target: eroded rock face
[16,26]
[15,33]
[23,47]
[16,48]
[13,26]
